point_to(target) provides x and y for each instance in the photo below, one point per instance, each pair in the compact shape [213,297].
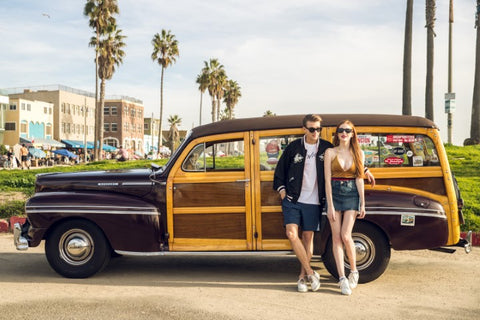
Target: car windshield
[174,154]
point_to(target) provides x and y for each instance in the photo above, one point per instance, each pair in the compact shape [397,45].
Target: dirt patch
[11,196]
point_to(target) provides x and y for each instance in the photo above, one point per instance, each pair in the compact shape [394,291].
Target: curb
[6,225]
[3,225]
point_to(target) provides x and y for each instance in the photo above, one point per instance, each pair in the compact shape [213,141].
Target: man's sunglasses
[342,130]
[312,130]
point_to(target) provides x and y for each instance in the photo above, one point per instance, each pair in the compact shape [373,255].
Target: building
[73,111]
[150,128]
[4,104]
[29,122]
[123,123]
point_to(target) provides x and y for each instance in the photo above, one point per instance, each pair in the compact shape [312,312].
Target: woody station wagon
[215,195]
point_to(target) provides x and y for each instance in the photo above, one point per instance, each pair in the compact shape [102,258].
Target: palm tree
[407,62]
[165,52]
[430,18]
[216,77]
[232,94]
[174,134]
[475,124]
[269,113]
[202,81]
[110,55]
[102,21]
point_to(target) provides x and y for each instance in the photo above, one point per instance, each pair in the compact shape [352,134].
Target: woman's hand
[362,212]
[331,213]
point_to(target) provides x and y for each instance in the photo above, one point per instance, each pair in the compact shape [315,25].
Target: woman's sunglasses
[312,130]
[342,130]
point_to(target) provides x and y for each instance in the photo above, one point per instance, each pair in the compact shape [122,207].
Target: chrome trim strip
[147,213]
[89,206]
[398,213]
[403,208]
[137,183]
[202,253]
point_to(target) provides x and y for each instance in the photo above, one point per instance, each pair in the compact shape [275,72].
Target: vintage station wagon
[215,194]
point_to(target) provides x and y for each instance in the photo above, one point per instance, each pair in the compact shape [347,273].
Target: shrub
[12,208]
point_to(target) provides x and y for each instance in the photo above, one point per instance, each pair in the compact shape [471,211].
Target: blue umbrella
[37,153]
[65,152]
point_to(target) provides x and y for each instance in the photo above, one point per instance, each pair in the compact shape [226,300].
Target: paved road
[417,285]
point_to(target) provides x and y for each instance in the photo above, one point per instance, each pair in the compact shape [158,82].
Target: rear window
[398,150]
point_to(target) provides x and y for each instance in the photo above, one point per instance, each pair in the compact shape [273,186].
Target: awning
[77,144]
[41,142]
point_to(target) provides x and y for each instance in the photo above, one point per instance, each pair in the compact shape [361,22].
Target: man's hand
[283,194]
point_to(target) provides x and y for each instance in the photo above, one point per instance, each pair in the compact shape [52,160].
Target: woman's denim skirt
[345,195]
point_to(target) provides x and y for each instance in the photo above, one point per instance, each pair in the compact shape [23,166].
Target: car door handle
[243,180]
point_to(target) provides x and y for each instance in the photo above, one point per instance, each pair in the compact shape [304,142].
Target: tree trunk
[430,17]
[214,112]
[160,142]
[219,101]
[95,127]
[100,122]
[200,116]
[475,124]
[407,62]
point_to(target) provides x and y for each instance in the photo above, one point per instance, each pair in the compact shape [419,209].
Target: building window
[125,111]
[63,127]
[48,129]
[22,106]
[106,111]
[45,110]
[114,111]
[10,126]
[132,112]
[13,107]
[140,114]
[145,126]
[114,127]
[23,127]
[106,127]
[78,129]
[49,110]
[68,127]
[139,127]
[68,108]
[29,107]
[63,107]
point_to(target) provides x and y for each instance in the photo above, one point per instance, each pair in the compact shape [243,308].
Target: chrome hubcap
[76,247]
[364,251]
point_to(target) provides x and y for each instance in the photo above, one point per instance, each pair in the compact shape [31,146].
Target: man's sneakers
[302,285]
[353,279]
[314,280]
[345,286]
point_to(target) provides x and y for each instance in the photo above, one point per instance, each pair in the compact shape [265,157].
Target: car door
[209,205]
[267,148]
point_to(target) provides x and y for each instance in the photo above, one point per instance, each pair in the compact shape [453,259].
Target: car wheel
[372,253]
[77,249]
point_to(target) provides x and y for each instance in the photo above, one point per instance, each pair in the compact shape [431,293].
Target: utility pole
[450,96]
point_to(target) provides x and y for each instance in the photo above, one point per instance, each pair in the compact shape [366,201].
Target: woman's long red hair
[354,147]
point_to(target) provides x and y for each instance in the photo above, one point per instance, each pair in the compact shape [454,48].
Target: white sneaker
[314,280]
[344,286]
[353,279]
[302,285]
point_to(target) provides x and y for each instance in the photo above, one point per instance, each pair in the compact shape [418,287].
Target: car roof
[295,121]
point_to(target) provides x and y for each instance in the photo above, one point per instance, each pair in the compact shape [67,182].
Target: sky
[288,56]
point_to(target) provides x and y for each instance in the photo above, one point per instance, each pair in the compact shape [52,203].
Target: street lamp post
[450,96]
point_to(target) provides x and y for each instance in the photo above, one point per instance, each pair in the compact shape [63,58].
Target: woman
[345,198]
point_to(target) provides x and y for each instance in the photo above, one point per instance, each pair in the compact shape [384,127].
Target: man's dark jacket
[289,170]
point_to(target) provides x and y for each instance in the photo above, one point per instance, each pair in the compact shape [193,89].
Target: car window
[271,148]
[398,150]
[216,156]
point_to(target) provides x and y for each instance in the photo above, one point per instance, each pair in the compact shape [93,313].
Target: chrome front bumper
[20,242]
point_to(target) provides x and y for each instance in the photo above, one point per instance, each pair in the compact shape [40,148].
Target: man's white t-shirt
[309,192]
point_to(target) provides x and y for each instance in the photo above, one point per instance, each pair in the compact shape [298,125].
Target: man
[24,154]
[299,179]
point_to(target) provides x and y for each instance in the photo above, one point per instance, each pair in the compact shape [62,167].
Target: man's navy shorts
[306,216]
